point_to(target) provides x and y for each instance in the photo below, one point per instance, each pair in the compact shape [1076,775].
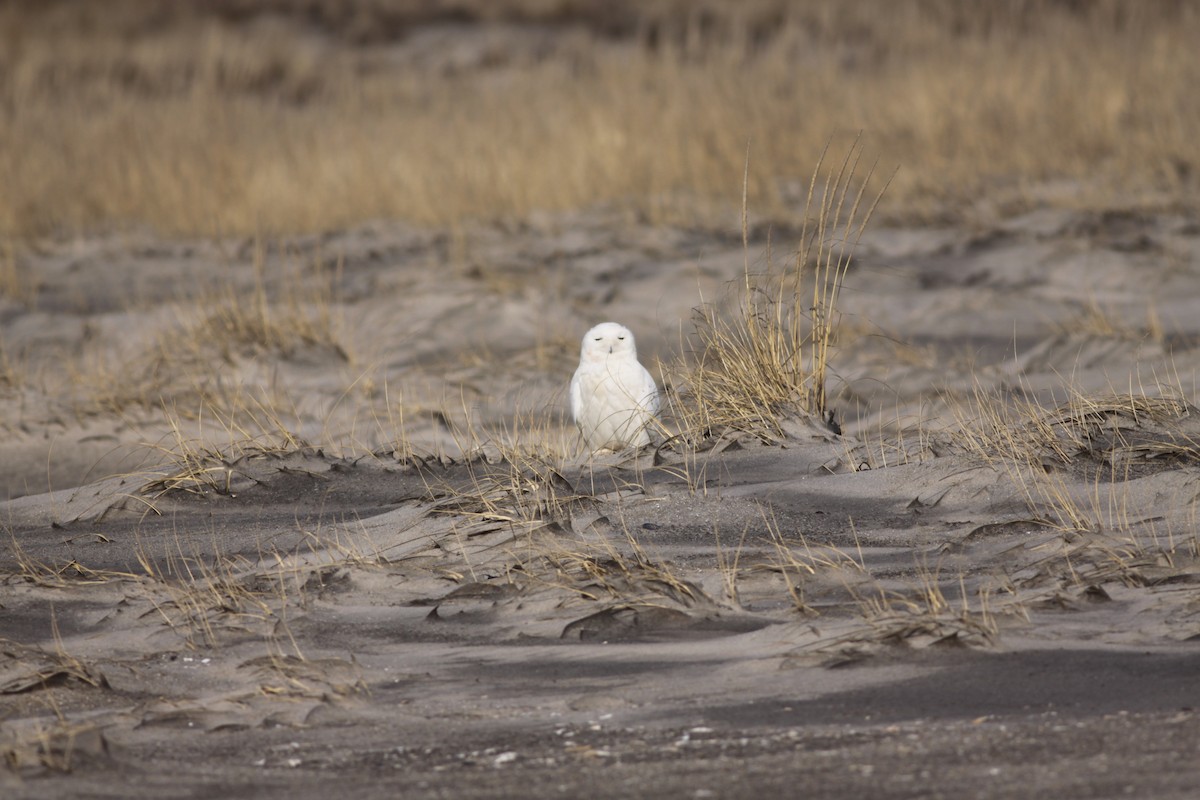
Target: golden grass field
[192,122]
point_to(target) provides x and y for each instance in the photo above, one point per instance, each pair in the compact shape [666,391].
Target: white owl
[613,398]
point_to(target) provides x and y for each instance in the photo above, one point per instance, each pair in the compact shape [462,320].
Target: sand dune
[394,597]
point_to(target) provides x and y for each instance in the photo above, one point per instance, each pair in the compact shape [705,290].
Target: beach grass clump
[28,568]
[33,668]
[1109,432]
[512,473]
[291,314]
[55,746]
[210,348]
[1094,319]
[196,461]
[205,602]
[615,571]
[10,372]
[928,616]
[762,363]
[526,493]
[1077,465]
[18,283]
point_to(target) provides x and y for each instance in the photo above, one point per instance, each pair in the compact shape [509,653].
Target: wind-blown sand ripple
[389,597]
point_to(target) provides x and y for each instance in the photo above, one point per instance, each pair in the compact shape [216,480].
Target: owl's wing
[647,391]
[576,397]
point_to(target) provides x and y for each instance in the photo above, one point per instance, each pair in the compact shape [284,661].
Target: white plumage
[613,397]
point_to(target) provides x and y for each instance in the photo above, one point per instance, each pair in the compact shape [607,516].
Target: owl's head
[608,339]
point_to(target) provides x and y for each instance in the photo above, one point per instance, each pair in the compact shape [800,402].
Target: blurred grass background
[284,116]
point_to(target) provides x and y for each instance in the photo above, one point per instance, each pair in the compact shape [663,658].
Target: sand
[385,606]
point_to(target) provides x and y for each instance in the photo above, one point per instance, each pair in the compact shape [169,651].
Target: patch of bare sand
[340,597]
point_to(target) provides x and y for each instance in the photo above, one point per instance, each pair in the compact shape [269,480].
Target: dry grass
[196,125]
[1075,465]
[29,668]
[616,571]
[205,602]
[209,601]
[57,746]
[295,676]
[513,475]
[10,372]
[295,315]
[17,283]
[208,383]
[797,563]
[1108,429]
[30,569]
[219,337]
[918,617]
[1096,559]
[517,478]
[197,465]
[764,364]
[1092,319]
[927,616]
[526,493]
[625,576]
[103,382]
[31,747]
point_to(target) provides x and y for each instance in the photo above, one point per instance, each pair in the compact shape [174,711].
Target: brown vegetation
[178,118]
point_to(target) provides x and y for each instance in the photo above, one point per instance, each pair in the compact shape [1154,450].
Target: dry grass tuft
[10,374]
[206,602]
[1076,464]
[1092,560]
[764,365]
[797,563]
[240,322]
[50,576]
[217,341]
[513,474]
[1109,429]
[17,283]
[35,747]
[526,492]
[197,466]
[928,617]
[1095,320]
[28,668]
[295,676]
[624,573]
[58,746]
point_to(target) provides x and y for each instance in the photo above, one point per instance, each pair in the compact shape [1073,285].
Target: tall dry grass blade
[766,361]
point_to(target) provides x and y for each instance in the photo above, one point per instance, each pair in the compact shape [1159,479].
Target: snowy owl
[613,397]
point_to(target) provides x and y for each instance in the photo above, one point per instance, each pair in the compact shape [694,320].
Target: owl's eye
[599,338]
[622,338]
